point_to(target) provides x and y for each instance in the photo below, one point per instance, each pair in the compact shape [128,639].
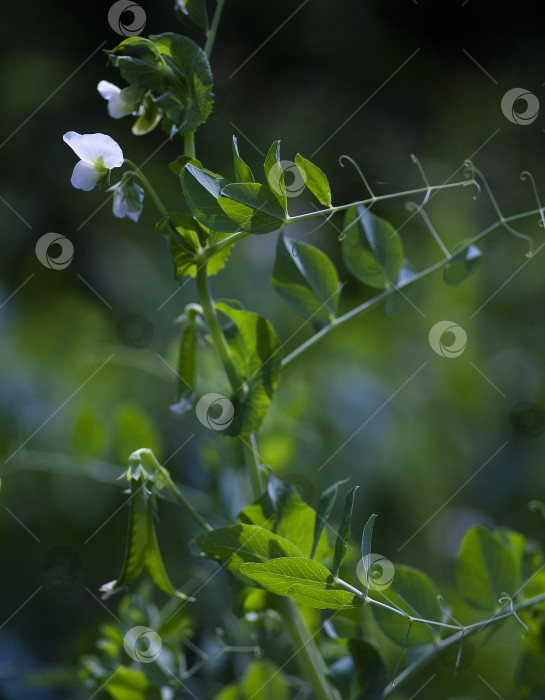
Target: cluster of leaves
[169,80]
[279,544]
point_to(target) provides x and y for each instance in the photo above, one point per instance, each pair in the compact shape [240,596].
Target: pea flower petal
[128,199]
[99,153]
[117,107]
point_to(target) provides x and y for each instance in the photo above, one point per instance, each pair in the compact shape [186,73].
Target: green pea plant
[287,563]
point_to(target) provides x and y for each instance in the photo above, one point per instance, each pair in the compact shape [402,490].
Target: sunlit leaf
[371,248]
[307,279]
[315,179]
[486,568]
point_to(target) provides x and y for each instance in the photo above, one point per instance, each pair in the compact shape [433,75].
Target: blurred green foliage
[416,454]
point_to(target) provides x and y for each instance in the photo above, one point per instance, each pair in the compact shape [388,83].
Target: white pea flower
[128,198]
[99,153]
[117,106]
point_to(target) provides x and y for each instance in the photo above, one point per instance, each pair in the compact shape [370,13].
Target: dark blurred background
[81,387]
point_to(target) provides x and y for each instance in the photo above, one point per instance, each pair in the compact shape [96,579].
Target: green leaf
[323,511]
[324,600]
[256,353]
[177,73]
[343,533]
[135,549]
[371,248]
[239,544]
[366,541]
[414,593]
[186,240]
[274,174]
[179,164]
[304,580]
[462,264]
[242,171]
[486,567]
[201,189]
[127,684]
[278,575]
[193,14]
[88,434]
[315,179]
[253,206]
[263,680]
[530,674]
[307,279]
[283,511]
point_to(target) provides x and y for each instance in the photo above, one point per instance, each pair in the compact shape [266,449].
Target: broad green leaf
[366,541]
[127,684]
[462,264]
[278,575]
[315,179]
[135,548]
[133,428]
[274,174]
[304,580]
[343,533]
[324,600]
[307,280]
[371,248]
[239,544]
[253,206]
[201,189]
[292,518]
[179,164]
[414,593]
[154,561]
[486,567]
[88,434]
[193,14]
[264,680]
[256,353]
[242,171]
[323,511]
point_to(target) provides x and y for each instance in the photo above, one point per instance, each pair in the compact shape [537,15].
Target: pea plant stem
[304,645]
[147,184]
[379,298]
[211,38]
[460,631]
